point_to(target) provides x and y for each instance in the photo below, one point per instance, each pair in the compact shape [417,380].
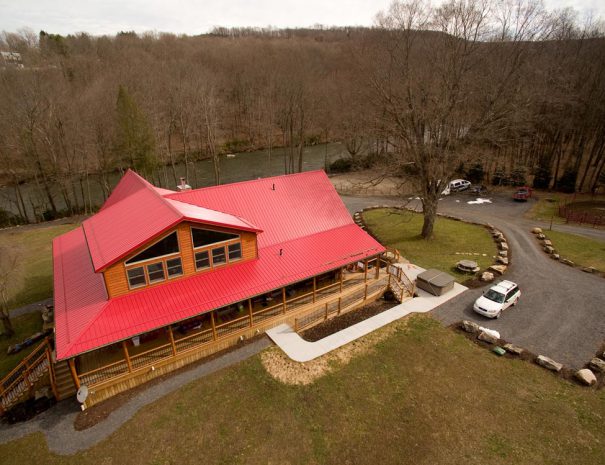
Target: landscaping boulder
[589,269]
[567,262]
[487,337]
[487,277]
[503,246]
[513,349]
[549,363]
[470,326]
[499,269]
[536,230]
[502,260]
[541,236]
[585,376]
[597,364]
[547,242]
[503,253]
[548,249]
[555,256]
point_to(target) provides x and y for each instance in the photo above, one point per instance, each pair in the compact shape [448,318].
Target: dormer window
[166,246]
[160,266]
[215,248]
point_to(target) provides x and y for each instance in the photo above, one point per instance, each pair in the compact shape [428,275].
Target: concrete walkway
[300,350]
[57,423]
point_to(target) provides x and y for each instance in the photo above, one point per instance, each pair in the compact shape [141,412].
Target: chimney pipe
[183,186]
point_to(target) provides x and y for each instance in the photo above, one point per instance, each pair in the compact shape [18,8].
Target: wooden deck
[120,367]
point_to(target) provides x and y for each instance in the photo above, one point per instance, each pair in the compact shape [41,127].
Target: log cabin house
[158,279]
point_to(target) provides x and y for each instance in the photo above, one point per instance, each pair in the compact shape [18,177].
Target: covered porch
[170,347]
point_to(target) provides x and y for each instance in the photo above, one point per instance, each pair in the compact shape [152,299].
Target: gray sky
[194,17]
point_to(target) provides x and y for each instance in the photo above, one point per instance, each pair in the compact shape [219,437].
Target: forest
[500,91]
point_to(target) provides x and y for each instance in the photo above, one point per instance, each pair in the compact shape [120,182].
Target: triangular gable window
[166,246]
[205,237]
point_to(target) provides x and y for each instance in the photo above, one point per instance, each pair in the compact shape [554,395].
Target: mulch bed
[99,412]
[344,321]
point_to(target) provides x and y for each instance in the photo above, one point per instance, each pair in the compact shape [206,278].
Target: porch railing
[21,380]
[353,291]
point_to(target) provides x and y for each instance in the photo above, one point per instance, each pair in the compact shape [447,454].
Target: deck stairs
[20,384]
[64,381]
[399,284]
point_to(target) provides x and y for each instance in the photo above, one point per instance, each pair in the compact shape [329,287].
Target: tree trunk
[6,323]
[429,211]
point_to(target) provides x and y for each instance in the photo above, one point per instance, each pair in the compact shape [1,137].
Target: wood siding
[116,280]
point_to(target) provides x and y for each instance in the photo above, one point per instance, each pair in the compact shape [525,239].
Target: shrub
[541,178]
[475,173]
[567,182]
[342,165]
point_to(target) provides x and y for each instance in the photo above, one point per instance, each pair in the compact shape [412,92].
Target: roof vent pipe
[273,188]
[281,251]
[183,186]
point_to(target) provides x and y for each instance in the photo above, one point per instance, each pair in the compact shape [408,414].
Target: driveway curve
[561,313]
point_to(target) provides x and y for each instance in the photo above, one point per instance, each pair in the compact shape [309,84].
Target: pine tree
[134,143]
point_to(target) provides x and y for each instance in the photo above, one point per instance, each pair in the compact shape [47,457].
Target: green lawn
[547,207]
[579,249]
[33,280]
[401,230]
[24,326]
[424,395]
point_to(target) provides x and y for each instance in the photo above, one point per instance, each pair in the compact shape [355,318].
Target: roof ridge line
[247,181]
[218,211]
[152,188]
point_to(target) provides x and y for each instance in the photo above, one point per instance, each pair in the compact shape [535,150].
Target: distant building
[8,59]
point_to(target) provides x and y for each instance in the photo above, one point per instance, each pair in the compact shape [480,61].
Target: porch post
[125,349]
[283,295]
[171,337]
[341,277]
[250,311]
[377,268]
[365,270]
[314,288]
[74,373]
[365,293]
[51,372]
[213,325]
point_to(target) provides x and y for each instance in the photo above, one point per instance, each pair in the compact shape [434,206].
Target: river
[235,167]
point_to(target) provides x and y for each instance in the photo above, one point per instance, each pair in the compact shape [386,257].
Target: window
[235,251]
[174,267]
[205,237]
[166,246]
[218,256]
[155,271]
[202,260]
[136,277]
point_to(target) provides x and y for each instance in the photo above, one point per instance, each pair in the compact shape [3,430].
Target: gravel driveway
[561,313]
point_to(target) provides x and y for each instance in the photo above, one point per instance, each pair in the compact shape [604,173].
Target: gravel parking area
[561,312]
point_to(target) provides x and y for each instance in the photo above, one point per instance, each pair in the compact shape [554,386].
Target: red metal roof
[137,212]
[301,214]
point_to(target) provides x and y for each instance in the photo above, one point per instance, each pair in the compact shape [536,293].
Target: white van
[459,185]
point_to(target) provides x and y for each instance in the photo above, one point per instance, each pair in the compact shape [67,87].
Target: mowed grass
[33,279]
[24,326]
[424,395]
[579,249]
[401,230]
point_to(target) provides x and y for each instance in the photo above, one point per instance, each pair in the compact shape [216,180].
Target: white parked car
[459,185]
[497,298]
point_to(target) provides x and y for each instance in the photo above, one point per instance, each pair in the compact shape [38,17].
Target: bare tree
[9,262]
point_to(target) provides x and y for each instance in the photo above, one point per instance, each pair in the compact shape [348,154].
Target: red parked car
[522,194]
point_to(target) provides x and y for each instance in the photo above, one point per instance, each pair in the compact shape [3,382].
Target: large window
[235,251]
[155,271]
[136,277]
[202,260]
[168,245]
[218,256]
[206,237]
[174,267]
